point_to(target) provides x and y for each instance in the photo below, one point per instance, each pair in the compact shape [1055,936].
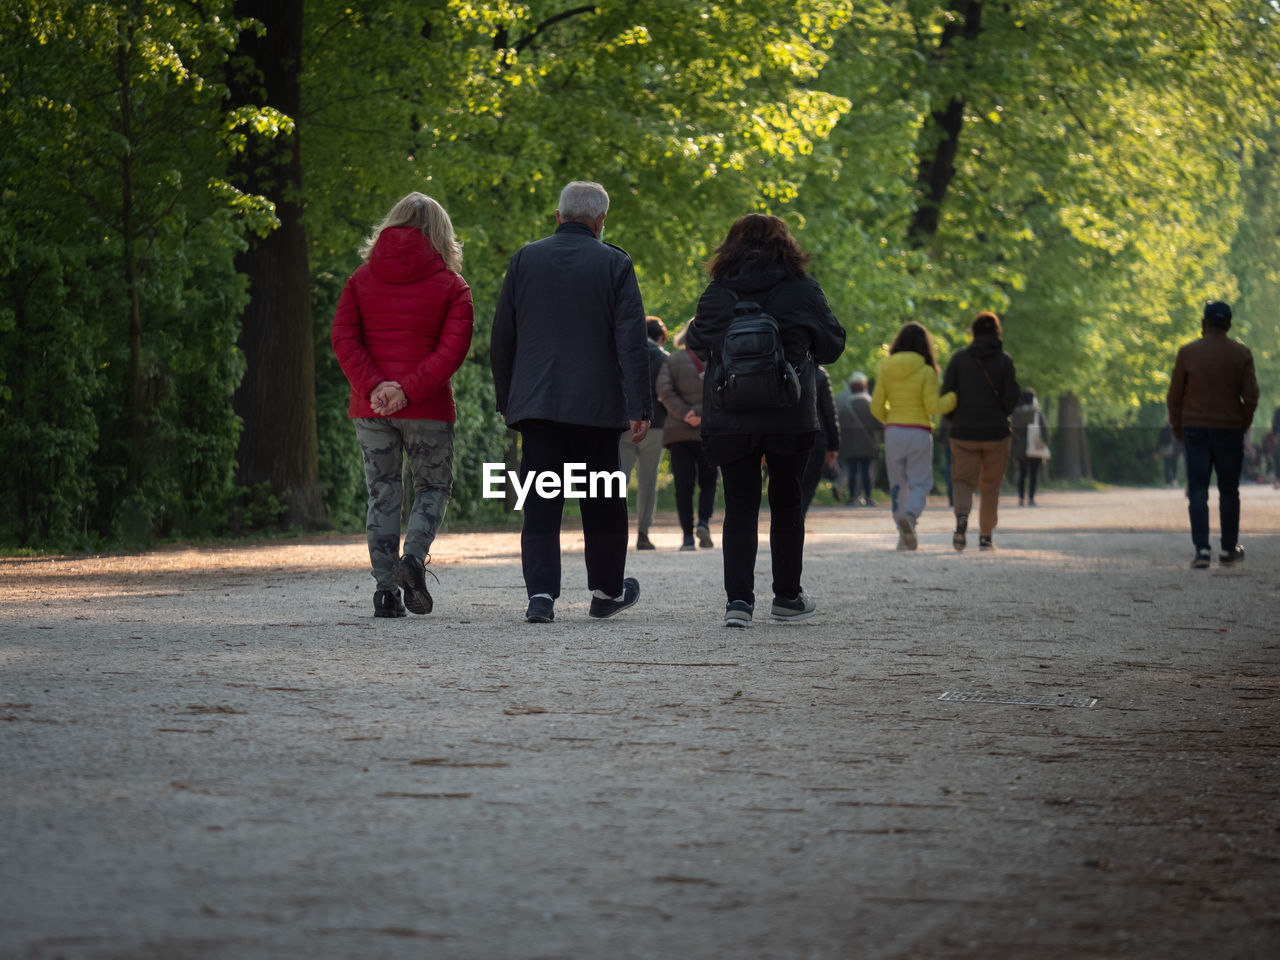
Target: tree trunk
[1073,443]
[276,399]
[135,389]
[941,136]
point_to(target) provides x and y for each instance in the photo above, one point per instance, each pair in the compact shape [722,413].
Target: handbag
[1036,447]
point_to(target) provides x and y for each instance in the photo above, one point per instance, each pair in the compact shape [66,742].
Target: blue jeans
[1214,451]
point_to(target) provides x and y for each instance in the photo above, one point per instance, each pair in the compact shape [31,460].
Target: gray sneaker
[1202,560]
[737,613]
[801,608]
[907,528]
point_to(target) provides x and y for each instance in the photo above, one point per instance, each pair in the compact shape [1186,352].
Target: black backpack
[754,372]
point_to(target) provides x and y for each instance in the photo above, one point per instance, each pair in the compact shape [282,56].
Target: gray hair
[858,377]
[583,200]
[419,211]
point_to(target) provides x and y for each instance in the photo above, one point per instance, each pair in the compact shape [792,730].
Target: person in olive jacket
[760,260]
[571,373]
[986,387]
[680,393]
[646,456]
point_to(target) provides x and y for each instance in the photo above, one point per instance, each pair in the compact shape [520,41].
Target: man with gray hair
[571,373]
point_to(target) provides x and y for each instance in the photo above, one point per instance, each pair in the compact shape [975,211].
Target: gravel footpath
[219,753]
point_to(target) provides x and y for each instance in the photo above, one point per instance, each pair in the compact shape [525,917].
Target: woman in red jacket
[402,327]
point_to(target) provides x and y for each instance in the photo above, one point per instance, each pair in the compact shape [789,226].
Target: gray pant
[648,453]
[429,445]
[908,460]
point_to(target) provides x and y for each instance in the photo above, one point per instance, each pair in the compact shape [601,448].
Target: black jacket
[810,334]
[568,340]
[982,405]
[657,360]
[827,418]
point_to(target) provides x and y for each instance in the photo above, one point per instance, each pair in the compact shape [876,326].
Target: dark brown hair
[655,328]
[915,338]
[985,322]
[757,236]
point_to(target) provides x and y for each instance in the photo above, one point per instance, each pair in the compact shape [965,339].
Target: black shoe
[1203,559]
[958,539]
[602,608]
[541,610]
[801,608]
[737,613]
[688,543]
[1231,557]
[410,573]
[643,542]
[984,543]
[386,603]
[704,535]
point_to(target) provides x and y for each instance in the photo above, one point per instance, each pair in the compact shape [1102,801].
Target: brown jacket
[680,390]
[1213,384]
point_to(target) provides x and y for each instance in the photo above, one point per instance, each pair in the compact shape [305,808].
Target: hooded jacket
[982,406]
[406,317]
[906,392]
[810,333]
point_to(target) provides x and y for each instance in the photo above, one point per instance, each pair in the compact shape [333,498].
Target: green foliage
[1114,166]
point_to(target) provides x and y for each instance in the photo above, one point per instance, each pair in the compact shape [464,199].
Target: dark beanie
[1217,314]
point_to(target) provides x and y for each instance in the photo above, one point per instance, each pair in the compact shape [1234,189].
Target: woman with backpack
[906,400]
[761,326]
[986,387]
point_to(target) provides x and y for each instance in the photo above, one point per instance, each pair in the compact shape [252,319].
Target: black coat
[568,340]
[657,360]
[986,387]
[810,334]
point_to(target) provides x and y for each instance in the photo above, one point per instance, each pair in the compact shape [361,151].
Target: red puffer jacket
[403,316]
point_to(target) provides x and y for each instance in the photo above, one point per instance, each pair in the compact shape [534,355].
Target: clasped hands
[387,398]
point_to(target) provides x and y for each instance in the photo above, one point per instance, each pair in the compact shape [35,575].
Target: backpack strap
[991,383]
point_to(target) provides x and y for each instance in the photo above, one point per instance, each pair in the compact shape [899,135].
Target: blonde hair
[419,211]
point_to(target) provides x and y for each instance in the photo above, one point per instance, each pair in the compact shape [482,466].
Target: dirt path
[220,754]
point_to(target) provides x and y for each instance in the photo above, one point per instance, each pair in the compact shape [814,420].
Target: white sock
[547,595]
[604,596]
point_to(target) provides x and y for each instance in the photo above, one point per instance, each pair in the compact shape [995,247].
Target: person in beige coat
[679,387]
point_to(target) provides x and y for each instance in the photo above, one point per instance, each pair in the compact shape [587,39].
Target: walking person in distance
[905,400]
[1213,393]
[680,394]
[986,387]
[646,455]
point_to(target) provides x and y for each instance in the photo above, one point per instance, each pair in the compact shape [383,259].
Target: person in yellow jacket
[906,400]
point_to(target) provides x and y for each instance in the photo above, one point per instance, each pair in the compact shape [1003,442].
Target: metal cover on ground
[1014,698]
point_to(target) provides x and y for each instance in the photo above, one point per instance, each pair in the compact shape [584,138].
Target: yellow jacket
[906,392]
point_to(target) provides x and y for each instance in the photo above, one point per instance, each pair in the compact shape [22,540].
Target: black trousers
[740,538]
[689,464]
[547,446]
[1028,469]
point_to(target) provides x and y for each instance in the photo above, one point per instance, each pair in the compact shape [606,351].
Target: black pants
[689,465]
[1211,451]
[740,539]
[812,475]
[1028,470]
[548,446]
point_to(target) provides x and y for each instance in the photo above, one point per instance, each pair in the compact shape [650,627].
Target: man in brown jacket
[1212,395]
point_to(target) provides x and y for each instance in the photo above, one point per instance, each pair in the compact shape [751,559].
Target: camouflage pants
[429,445]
